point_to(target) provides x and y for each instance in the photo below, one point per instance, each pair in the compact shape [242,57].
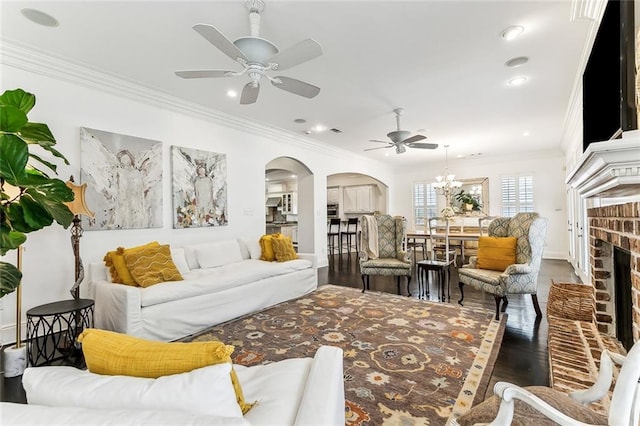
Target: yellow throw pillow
[118,267]
[109,353]
[283,249]
[266,246]
[151,265]
[496,253]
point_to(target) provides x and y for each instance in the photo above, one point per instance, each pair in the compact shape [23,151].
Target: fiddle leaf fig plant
[30,199]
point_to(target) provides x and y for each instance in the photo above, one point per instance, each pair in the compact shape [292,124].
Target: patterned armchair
[519,278]
[391,259]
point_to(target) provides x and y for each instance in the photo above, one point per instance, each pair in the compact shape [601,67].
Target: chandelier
[446,184]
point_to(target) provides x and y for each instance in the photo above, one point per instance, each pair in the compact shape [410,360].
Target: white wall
[70,98]
[548,173]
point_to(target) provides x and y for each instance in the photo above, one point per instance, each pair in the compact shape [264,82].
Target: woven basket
[571,301]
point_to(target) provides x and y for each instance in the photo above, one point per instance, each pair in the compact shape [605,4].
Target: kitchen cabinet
[360,199]
[333,195]
[290,203]
[290,231]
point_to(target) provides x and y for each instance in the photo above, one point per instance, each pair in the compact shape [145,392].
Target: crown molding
[28,58]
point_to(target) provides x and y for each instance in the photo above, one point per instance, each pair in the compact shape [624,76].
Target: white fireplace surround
[609,169]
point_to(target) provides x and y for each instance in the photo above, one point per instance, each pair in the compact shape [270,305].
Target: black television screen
[609,77]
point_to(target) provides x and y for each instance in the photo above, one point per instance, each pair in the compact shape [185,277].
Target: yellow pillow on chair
[110,353]
[496,253]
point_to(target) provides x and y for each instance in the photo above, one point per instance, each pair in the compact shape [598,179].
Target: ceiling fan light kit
[258,56]
[400,139]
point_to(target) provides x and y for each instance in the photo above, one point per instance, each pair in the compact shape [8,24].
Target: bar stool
[333,233]
[351,233]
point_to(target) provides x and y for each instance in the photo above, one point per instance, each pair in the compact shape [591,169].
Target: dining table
[414,236]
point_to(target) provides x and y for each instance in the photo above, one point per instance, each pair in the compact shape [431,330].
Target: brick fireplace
[610,227]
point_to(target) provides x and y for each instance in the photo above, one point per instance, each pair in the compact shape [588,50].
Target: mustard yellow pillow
[283,249]
[151,265]
[118,267]
[266,246]
[109,353]
[496,253]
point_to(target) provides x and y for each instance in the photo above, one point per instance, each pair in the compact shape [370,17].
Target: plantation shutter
[517,194]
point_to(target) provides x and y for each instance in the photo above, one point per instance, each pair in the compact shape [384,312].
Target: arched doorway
[290,181]
[344,190]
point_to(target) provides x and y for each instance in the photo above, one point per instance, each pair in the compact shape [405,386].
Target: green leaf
[50,200]
[14,154]
[10,278]
[35,214]
[55,152]
[12,119]
[15,215]
[19,99]
[10,240]
[44,162]
[53,189]
[36,133]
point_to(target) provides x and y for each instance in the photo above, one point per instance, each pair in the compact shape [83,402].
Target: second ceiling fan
[400,139]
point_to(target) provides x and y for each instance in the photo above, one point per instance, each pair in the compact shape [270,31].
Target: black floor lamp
[78,207]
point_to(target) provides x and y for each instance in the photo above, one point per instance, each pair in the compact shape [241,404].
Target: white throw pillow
[206,391]
[255,250]
[219,253]
[179,259]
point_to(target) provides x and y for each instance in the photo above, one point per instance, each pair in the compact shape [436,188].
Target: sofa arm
[310,257]
[117,308]
[322,402]
[518,268]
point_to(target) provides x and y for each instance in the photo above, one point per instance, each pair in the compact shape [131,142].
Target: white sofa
[222,280]
[297,391]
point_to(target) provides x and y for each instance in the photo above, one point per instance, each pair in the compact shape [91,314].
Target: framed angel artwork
[124,180]
[199,188]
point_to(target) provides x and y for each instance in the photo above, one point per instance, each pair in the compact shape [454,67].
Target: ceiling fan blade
[249,93]
[373,140]
[413,139]
[216,38]
[204,73]
[302,52]
[295,86]
[380,147]
[422,145]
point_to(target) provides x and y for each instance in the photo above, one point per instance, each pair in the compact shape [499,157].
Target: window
[424,203]
[517,195]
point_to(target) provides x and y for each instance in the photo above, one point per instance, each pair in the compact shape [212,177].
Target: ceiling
[442,61]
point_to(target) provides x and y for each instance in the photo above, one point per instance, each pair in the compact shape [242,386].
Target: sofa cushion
[219,253]
[277,388]
[211,280]
[206,390]
[152,265]
[180,260]
[252,247]
[31,414]
[106,352]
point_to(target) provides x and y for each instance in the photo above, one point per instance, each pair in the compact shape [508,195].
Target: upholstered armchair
[381,250]
[529,229]
[542,406]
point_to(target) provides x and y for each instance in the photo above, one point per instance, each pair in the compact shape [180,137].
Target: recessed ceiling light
[512,32]
[267,179]
[40,17]
[319,128]
[516,62]
[294,176]
[300,120]
[308,132]
[517,81]
[386,155]
[525,133]
[232,93]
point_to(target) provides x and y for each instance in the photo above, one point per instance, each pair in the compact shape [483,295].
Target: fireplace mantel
[609,169]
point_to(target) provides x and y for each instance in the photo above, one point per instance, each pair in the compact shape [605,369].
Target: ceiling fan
[401,139]
[257,56]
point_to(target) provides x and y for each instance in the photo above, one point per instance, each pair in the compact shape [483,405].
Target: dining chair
[437,244]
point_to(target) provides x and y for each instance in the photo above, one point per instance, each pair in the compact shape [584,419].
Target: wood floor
[523,356]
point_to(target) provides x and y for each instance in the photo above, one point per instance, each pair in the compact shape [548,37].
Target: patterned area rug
[406,361]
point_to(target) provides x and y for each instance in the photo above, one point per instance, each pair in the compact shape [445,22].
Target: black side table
[52,330]
[441,268]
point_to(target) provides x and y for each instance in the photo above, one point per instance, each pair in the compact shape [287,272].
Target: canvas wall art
[199,188]
[124,180]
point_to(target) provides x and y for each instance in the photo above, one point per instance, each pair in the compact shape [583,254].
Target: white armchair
[514,405]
